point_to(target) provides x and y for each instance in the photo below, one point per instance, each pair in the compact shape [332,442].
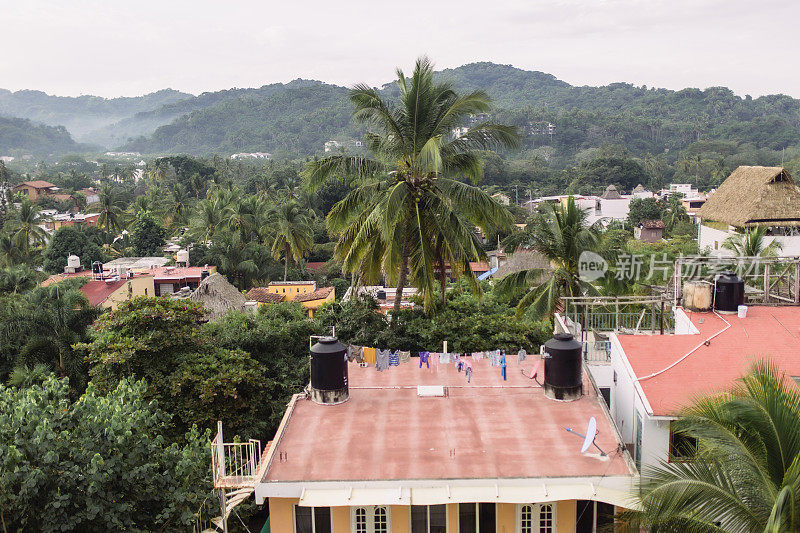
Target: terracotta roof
[487,429]
[37,184]
[479,267]
[652,224]
[262,294]
[319,294]
[315,265]
[97,291]
[766,332]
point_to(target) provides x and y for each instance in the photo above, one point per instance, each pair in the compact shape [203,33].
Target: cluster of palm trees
[411,213]
[244,232]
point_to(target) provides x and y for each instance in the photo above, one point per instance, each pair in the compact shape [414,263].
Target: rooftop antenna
[588,439]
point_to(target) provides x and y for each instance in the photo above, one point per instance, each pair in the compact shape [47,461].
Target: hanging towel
[521,355]
[382,359]
[394,359]
[469,374]
[369,355]
[405,357]
[355,353]
[423,358]
[444,358]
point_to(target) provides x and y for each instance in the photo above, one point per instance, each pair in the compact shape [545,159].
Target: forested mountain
[640,119]
[145,123]
[82,114]
[295,119]
[19,134]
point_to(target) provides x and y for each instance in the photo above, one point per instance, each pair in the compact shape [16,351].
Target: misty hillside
[643,120]
[295,119]
[22,135]
[82,114]
[145,123]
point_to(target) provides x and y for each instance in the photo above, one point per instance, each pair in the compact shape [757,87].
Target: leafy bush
[100,463]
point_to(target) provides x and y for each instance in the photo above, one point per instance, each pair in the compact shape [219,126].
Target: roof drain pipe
[690,352]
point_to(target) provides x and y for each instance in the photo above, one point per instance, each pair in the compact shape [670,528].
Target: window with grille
[537,518]
[360,521]
[370,519]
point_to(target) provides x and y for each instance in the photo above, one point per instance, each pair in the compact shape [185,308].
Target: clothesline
[384,359]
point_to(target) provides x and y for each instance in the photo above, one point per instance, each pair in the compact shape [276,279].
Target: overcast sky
[116,47]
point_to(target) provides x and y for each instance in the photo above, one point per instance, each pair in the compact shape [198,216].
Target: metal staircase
[236,468]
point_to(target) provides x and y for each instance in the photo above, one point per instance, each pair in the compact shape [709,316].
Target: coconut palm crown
[408,210]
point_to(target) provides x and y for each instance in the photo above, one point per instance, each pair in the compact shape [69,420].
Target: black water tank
[380,295]
[563,374]
[329,372]
[728,292]
[97,267]
[204,274]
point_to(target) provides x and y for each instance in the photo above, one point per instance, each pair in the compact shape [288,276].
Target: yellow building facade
[509,518]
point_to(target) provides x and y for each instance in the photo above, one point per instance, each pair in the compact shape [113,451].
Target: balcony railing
[234,464]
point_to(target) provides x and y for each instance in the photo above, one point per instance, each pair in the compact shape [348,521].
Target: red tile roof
[487,429]
[60,197]
[766,332]
[319,294]
[98,291]
[479,267]
[37,184]
[314,266]
[262,294]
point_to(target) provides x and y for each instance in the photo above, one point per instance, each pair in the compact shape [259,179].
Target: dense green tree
[197,381]
[97,464]
[69,240]
[148,235]
[407,196]
[744,474]
[644,209]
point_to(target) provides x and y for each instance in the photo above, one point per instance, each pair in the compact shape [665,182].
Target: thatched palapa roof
[218,296]
[755,196]
[611,193]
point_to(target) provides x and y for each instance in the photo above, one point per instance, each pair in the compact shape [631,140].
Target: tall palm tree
[293,234]
[26,226]
[407,193]
[110,208]
[746,473]
[560,234]
[752,243]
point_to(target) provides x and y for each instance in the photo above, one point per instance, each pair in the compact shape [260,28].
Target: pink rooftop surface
[765,333]
[483,430]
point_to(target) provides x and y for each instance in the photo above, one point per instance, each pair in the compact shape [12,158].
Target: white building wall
[627,404]
[712,239]
[683,324]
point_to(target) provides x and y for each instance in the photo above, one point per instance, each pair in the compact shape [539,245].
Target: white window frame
[313,518]
[477,516]
[428,509]
[536,509]
[371,517]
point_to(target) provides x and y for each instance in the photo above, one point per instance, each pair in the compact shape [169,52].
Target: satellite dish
[534,372]
[591,433]
[588,438]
